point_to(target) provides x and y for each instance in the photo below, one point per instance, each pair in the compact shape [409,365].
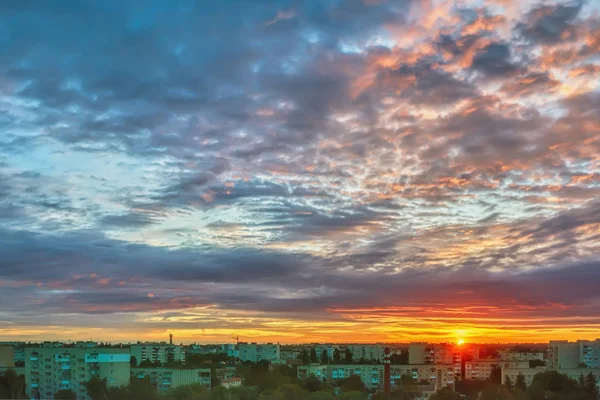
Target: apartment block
[439,376]
[564,354]
[367,352]
[158,352]
[510,355]
[482,369]
[231,382]
[290,355]
[7,356]
[50,369]
[255,352]
[165,379]
[329,348]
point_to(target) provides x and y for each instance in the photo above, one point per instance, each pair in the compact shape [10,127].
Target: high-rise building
[564,354]
[366,352]
[164,379]
[50,369]
[510,355]
[256,352]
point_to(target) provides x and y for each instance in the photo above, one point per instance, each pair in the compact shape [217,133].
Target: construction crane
[236,338]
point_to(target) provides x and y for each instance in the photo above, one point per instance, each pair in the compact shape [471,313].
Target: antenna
[236,338]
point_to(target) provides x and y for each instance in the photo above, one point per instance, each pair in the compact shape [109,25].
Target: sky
[299,171]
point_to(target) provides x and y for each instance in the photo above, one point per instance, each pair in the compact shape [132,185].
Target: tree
[186,392]
[496,374]
[536,391]
[324,357]
[445,394]
[321,396]
[142,389]
[520,382]
[96,388]
[12,386]
[536,363]
[352,384]
[118,393]
[313,355]
[348,358]
[312,383]
[133,361]
[337,357]
[147,363]
[590,386]
[65,394]
[354,395]
[495,391]
[508,384]
[304,357]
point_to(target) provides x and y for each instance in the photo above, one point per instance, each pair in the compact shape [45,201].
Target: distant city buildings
[165,379]
[231,382]
[365,352]
[162,353]
[256,352]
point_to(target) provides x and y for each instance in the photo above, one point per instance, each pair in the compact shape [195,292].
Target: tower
[170,338]
[387,384]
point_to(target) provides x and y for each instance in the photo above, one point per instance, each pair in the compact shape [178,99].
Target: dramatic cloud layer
[300,170]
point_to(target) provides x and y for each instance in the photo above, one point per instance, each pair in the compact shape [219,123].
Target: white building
[564,354]
[510,355]
[482,369]
[367,352]
[255,352]
[162,352]
[165,379]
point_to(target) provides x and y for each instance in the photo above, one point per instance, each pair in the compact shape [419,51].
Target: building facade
[255,352]
[163,353]
[510,355]
[564,354]
[231,382]
[50,369]
[440,376]
[483,369]
[367,352]
[165,379]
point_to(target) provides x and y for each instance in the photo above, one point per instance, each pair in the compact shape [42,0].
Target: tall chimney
[387,384]
[170,338]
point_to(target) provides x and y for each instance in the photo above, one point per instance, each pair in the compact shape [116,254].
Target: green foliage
[12,386]
[96,388]
[312,383]
[590,387]
[353,395]
[496,374]
[321,396]
[147,363]
[520,382]
[399,359]
[352,384]
[313,355]
[142,389]
[118,393]
[470,388]
[495,391]
[65,394]
[445,394]
[348,358]
[186,392]
[337,357]
[508,384]
[304,357]
[324,357]
[133,361]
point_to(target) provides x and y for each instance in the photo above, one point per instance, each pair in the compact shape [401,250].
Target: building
[366,352]
[530,373]
[510,355]
[165,379]
[255,352]
[163,353]
[7,356]
[290,355]
[564,354]
[439,376]
[231,382]
[50,369]
[328,348]
[482,369]
[416,353]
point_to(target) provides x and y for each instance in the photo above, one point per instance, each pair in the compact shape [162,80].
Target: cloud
[551,23]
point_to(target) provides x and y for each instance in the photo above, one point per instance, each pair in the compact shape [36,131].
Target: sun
[460,342]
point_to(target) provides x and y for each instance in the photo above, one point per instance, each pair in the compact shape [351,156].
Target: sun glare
[460,342]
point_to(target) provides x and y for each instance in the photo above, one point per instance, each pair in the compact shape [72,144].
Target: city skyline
[300,171]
